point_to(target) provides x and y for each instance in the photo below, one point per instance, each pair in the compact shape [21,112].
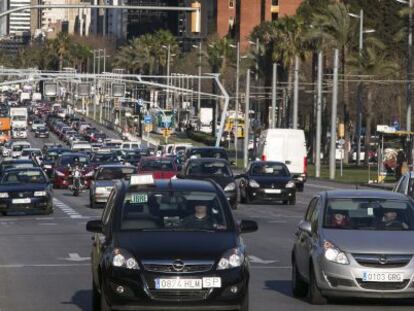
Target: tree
[62,45]
[220,55]
[378,64]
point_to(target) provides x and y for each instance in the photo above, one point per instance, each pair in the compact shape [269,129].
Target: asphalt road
[44,260]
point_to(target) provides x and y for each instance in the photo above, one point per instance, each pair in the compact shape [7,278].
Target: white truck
[206,118]
[18,118]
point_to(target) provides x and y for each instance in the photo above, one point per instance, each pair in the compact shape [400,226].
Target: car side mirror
[94,226]
[305,226]
[247,226]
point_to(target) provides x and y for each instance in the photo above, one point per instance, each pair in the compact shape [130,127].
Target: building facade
[239,17]
[4,21]
[19,21]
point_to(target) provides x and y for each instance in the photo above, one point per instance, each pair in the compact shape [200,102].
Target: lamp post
[360,85]
[168,71]
[200,50]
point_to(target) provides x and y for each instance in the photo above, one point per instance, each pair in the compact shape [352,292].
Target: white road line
[66,209]
[42,265]
[47,224]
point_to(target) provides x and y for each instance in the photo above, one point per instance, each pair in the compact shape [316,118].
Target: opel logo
[383,260]
[178,265]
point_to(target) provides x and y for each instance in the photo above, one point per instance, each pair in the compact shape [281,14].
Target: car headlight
[101,190]
[47,166]
[230,187]
[291,184]
[120,258]
[40,193]
[59,173]
[4,195]
[334,254]
[253,183]
[233,258]
[89,174]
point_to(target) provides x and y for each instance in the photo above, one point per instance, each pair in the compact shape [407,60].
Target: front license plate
[213,282]
[21,201]
[178,283]
[382,277]
[273,191]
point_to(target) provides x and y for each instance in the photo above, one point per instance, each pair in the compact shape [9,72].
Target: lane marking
[47,224]
[43,265]
[255,259]
[75,257]
[320,186]
[66,209]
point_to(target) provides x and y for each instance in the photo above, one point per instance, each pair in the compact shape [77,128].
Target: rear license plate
[21,201]
[178,283]
[273,191]
[382,277]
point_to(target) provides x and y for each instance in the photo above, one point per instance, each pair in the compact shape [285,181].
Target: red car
[159,167]
[61,172]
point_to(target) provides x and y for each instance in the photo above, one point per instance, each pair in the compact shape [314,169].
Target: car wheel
[314,293]
[104,304]
[285,202]
[245,304]
[292,200]
[96,298]
[242,197]
[299,286]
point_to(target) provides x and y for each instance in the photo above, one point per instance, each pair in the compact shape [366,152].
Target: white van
[287,146]
[130,145]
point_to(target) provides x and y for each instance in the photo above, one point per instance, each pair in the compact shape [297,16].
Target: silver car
[104,180]
[355,243]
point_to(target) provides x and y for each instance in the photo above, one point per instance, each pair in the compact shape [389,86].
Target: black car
[169,245]
[267,181]
[25,189]
[42,132]
[206,152]
[218,170]
[8,163]
[49,159]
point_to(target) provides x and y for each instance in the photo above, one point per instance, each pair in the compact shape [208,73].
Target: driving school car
[157,256]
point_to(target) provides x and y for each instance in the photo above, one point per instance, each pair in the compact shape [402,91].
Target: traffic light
[137,108]
[196,17]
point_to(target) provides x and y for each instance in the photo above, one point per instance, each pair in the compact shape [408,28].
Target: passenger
[339,220]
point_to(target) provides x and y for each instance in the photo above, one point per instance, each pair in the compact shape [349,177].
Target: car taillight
[263,157]
[305,165]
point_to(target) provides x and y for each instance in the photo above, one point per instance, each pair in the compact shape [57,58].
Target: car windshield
[217,154]
[71,160]
[173,211]
[27,152]
[369,214]
[19,118]
[24,177]
[157,165]
[107,157]
[209,169]
[110,173]
[269,169]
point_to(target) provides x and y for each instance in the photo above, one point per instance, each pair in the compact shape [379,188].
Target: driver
[200,219]
[389,220]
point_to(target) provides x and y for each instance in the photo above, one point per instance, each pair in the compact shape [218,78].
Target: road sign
[341,142]
[84,89]
[166,132]
[50,89]
[148,128]
[118,89]
[148,119]
[140,102]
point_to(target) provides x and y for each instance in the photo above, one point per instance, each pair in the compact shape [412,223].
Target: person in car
[390,220]
[339,220]
[200,219]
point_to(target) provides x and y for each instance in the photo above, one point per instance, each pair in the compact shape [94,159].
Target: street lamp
[200,50]
[409,61]
[168,70]
[359,101]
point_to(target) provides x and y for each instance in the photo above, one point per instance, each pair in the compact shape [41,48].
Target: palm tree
[220,54]
[62,45]
[376,63]
[332,27]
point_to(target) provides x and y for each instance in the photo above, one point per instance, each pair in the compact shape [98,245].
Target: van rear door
[295,151]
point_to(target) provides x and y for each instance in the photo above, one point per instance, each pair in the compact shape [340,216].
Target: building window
[231,4]
[275,2]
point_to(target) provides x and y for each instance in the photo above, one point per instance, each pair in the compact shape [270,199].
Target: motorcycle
[77,185]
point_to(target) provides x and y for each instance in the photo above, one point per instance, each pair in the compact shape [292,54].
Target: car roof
[74,154]
[207,148]
[209,160]
[154,158]
[115,166]
[177,185]
[361,194]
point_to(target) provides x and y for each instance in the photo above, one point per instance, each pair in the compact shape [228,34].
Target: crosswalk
[66,209]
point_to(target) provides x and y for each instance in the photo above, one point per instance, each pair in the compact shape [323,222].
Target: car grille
[167,266]
[382,260]
[179,295]
[383,285]
[16,195]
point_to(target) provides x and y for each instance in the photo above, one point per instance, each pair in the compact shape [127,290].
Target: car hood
[176,245]
[223,181]
[363,241]
[22,187]
[268,181]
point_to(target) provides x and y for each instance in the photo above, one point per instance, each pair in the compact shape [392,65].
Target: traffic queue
[168,237]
